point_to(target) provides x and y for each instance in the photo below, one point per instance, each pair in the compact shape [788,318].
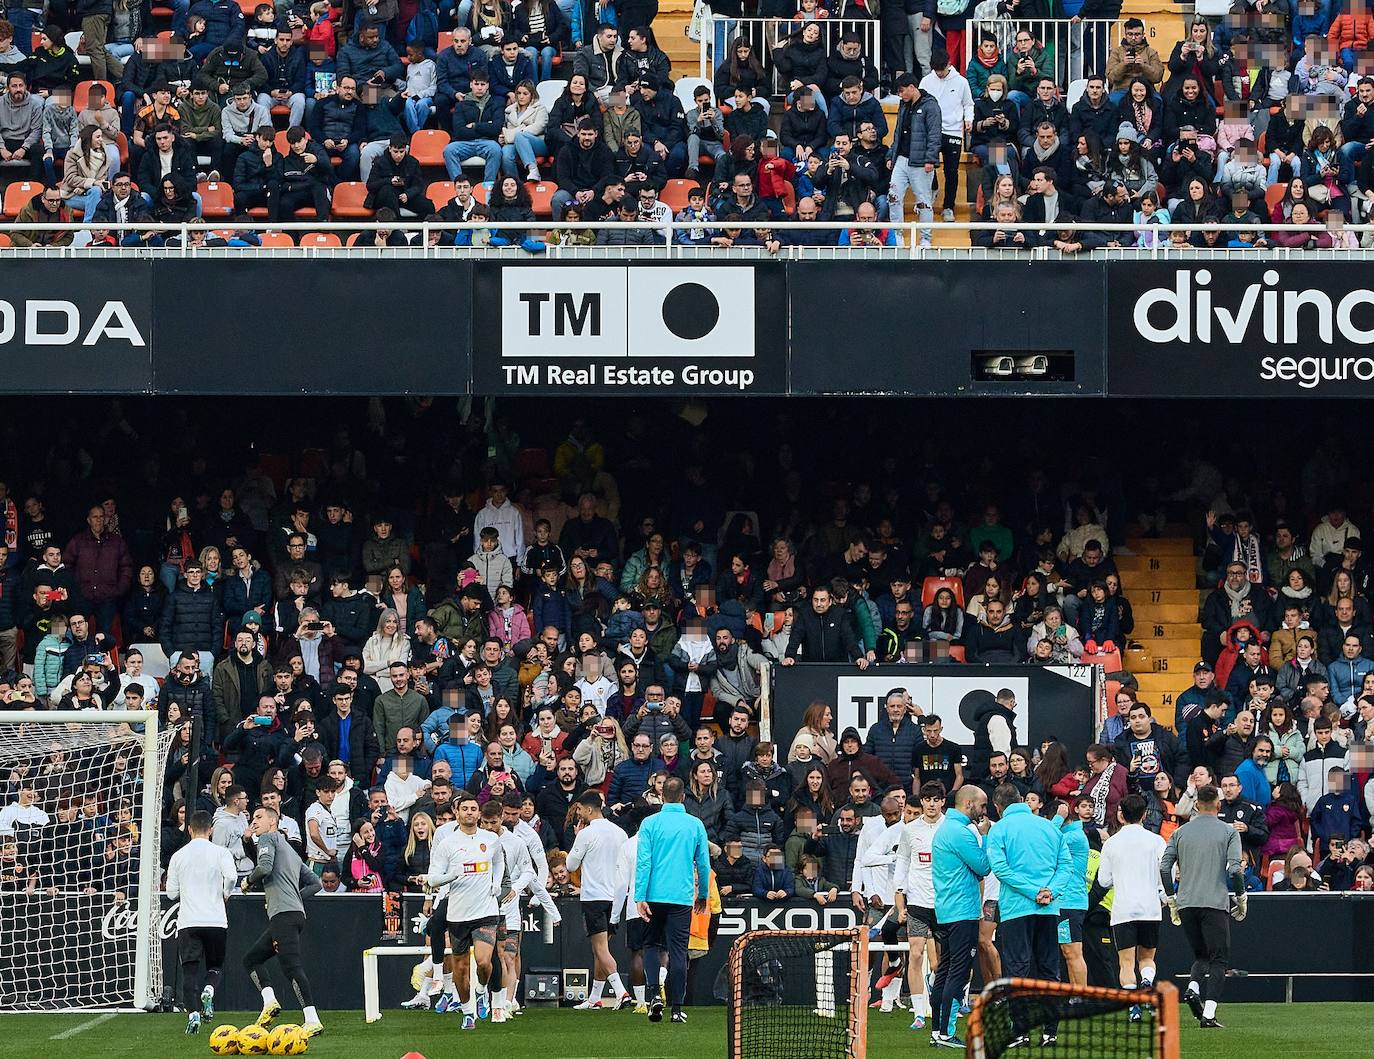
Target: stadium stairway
[1160,579]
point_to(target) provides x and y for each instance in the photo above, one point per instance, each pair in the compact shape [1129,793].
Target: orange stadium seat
[440,193]
[931,585]
[541,197]
[217,199]
[276,239]
[83,89]
[348,200]
[427,145]
[320,239]
[17,196]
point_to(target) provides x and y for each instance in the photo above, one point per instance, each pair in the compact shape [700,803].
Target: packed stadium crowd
[258,114]
[425,610]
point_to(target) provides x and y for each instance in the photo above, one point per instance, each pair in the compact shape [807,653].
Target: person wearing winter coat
[492,566]
[895,739]
[387,644]
[1322,753]
[1285,764]
[773,880]
[367,57]
[507,620]
[755,825]
[193,619]
[765,769]
[708,801]
[1293,675]
[1146,748]
[994,638]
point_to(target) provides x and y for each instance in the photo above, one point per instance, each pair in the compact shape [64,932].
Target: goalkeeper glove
[1173,912]
[1239,908]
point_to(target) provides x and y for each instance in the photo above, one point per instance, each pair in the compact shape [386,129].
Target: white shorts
[510,915]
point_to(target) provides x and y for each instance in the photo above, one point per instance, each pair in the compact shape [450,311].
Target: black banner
[1250,329]
[340,927]
[1053,702]
[323,326]
[924,327]
[619,328]
[84,328]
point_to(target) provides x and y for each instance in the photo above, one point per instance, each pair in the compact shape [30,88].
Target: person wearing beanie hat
[841,774]
[1130,165]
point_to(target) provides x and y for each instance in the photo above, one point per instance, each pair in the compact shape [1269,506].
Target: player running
[469,861]
[914,896]
[1130,863]
[519,880]
[201,875]
[1206,851]
[596,850]
[286,882]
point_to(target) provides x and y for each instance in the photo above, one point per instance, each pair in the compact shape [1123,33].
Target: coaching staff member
[672,877]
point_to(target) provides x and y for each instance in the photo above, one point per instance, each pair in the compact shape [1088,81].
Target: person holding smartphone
[258,743]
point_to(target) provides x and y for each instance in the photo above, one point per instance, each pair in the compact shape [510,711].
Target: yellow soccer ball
[225,1040]
[253,1040]
[287,1040]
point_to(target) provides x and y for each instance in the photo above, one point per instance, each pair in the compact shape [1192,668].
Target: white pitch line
[89,1024]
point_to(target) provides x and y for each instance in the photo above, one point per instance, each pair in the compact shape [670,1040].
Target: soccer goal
[80,836]
[1087,1022]
[798,994]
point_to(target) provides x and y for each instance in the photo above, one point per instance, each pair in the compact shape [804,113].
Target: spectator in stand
[1132,58]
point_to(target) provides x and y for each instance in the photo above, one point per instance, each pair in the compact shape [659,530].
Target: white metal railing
[765,34]
[425,235]
[1074,48]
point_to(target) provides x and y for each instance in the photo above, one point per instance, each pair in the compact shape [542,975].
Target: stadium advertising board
[1052,701]
[330,325]
[647,327]
[927,327]
[1252,329]
[89,333]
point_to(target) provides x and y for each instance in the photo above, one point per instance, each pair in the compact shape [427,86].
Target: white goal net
[80,832]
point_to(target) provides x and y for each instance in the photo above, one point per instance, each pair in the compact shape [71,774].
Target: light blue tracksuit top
[673,864]
[1028,854]
[958,864]
[1076,896]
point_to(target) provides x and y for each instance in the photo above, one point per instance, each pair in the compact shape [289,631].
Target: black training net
[796,995]
[1083,1022]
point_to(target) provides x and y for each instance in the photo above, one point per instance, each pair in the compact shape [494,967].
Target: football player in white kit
[914,896]
[470,862]
[875,859]
[520,875]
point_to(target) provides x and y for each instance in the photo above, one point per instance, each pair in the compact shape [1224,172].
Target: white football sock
[1147,975]
[311,1015]
[597,989]
[268,996]
[448,981]
[1209,1009]
[498,999]
[617,988]
[1193,987]
[470,1005]
[210,989]
[638,991]
[892,991]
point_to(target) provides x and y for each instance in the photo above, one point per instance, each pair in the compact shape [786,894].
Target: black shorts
[195,944]
[1071,925]
[1137,932]
[636,934]
[460,934]
[596,915]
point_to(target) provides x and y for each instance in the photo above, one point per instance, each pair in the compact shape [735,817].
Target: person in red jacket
[104,570]
[1351,33]
[776,177]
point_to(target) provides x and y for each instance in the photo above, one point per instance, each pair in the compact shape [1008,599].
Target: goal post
[1089,1022]
[798,994]
[80,859]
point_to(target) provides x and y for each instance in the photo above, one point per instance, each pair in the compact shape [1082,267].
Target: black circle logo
[690,311]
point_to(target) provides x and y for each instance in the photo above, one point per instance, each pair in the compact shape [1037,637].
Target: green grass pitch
[1254,1031]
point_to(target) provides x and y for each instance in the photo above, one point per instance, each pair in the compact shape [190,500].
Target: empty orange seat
[17,196]
[349,198]
[320,239]
[541,197]
[427,145]
[674,194]
[276,238]
[217,199]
